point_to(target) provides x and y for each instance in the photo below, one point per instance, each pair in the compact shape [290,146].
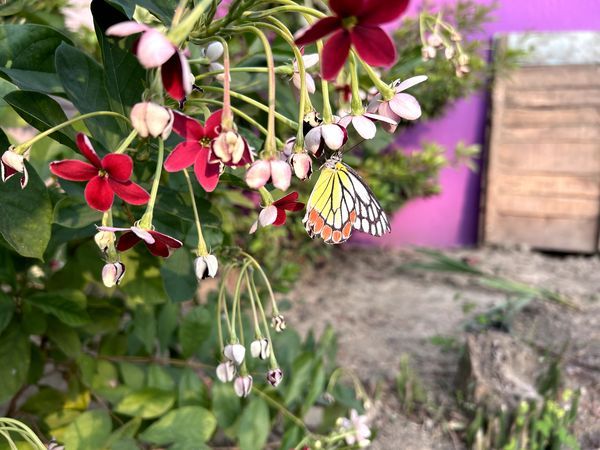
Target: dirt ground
[382,312]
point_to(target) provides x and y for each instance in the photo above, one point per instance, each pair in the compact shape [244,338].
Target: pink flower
[153,49]
[400,106]
[302,165]
[158,244]
[330,135]
[263,171]
[364,124]
[275,213]
[106,177]
[196,149]
[11,164]
[357,429]
[150,119]
[356,23]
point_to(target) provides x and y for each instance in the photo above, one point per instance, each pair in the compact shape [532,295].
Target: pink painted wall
[450,219]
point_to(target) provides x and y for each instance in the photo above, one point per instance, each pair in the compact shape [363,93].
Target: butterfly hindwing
[341,201]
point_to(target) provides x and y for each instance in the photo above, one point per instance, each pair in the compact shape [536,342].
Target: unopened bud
[235,353]
[301,165]
[428,52]
[449,52]
[112,273]
[278,322]
[274,376]
[463,59]
[104,239]
[229,147]
[260,348]
[434,40]
[206,266]
[150,119]
[214,51]
[226,371]
[242,385]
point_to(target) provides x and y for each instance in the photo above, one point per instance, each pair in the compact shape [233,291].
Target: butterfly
[341,201]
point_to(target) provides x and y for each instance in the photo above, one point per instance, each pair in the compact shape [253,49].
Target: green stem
[283,410]
[266,197]
[285,9]
[128,140]
[236,299]
[202,249]
[24,430]
[280,69]
[272,360]
[290,123]
[386,92]
[265,279]
[222,306]
[257,332]
[226,116]
[107,221]
[327,112]
[146,220]
[180,33]
[357,106]
[21,148]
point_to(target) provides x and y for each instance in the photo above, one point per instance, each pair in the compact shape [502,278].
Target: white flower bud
[274,376]
[226,371]
[235,353]
[260,348]
[112,273]
[434,40]
[214,51]
[12,163]
[302,165]
[150,119]
[463,59]
[242,385]
[104,239]
[449,52]
[229,146]
[206,266]
[278,322]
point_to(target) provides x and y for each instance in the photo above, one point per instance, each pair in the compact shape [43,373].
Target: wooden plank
[558,98]
[554,77]
[546,207]
[576,133]
[559,117]
[548,157]
[568,234]
[548,185]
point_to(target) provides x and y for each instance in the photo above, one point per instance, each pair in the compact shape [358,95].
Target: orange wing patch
[315,226]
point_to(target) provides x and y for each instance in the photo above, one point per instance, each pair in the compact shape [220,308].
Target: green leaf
[26,218]
[10,9]
[178,276]
[90,430]
[146,403]
[225,404]
[27,55]
[167,324]
[144,326]
[301,370]
[72,212]
[7,309]
[133,375]
[194,330]
[254,425]
[15,357]
[163,9]
[316,387]
[192,391]
[128,430]
[83,81]
[160,378]
[184,425]
[42,113]
[67,305]
[66,339]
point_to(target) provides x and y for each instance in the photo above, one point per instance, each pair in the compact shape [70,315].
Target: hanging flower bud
[274,376]
[112,273]
[104,239]
[242,385]
[260,348]
[302,165]
[449,52]
[231,148]
[435,40]
[214,51]
[206,266]
[150,119]
[13,163]
[263,171]
[226,371]
[278,322]
[235,353]
[428,52]
[331,135]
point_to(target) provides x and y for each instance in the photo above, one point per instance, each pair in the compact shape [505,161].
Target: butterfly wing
[334,204]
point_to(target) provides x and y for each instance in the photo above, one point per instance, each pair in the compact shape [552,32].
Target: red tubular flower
[106,177]
[275,213]
[158,244]
[356,23]
[195,149]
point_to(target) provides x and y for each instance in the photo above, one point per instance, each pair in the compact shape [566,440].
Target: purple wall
[450,219]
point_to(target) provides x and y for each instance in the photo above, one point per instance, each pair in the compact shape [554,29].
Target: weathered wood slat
[576,133]
[546,207]
[563,186]
[543,98]
[554,77]
[548,157]
[559,117]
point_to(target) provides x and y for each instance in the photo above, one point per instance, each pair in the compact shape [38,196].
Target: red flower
[275,213]
[196,149]
[356,23]
[159,244]
[106,177]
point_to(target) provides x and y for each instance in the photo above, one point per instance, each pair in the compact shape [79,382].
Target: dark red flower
[275,213]
[195,149]
[106,177]
[356,24]
[158,244]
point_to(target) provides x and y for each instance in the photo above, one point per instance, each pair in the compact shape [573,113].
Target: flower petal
[406,106]
[158,249]
[166,239]
[333,135]
[99,194]
[345,121]
[212,127]
[374,46]
[290,198]
[126,28]
[410,82]
[312,140]
[377,12]
[73,170]
[281,174]
[174,77]
[187,127]
[258,174]
[318,30]
[380,118]
[365,127]
[310,60]
[118,166]
[281,218]
[348,8]
[129,191]
[127,240]
[86,149]
[267,216]
[154,49]
[143,234]
[182,156]
[335,53]
[310,84]
[207,172]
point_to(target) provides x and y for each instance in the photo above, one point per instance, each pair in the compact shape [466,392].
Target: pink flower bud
[229,147]
[302,165]
[226,371]
[104,239]
[274,376]
[281,174]
[112,273]
[258,174]
[150,119]
[235,353]
[242,385]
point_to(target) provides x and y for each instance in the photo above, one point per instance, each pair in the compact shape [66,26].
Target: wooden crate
[542,183]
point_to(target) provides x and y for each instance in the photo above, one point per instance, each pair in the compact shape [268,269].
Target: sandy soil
[382,312]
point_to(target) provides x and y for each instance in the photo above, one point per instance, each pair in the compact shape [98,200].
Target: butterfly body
[341,202]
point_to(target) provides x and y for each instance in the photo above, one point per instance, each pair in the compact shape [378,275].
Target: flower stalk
[146,220]
[201,249]
[327,111]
